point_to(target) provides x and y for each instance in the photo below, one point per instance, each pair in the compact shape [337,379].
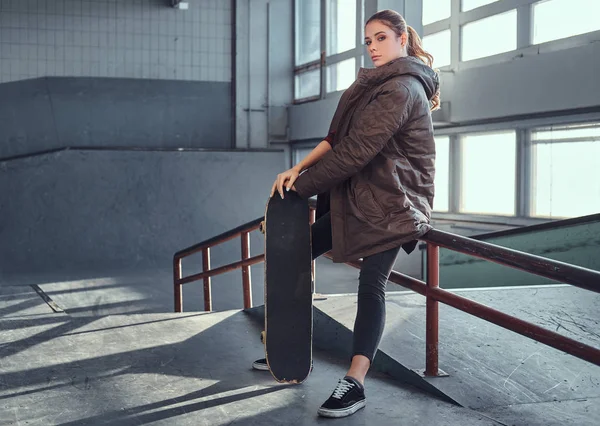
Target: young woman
[373,175]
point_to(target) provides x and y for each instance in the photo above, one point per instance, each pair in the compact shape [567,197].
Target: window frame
[516,39]
[325,59]
[531,196]
[523,167]
[525,46]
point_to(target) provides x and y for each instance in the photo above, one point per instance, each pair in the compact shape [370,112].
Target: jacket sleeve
[377,123]
[330,137]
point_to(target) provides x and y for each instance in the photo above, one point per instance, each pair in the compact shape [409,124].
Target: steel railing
[562,272]
[242,231]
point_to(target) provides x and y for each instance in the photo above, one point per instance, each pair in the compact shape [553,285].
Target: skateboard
[288,288]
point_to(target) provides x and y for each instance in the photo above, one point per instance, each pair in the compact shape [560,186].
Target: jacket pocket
[367,203]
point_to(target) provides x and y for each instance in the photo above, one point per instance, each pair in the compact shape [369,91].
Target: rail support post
[177,285]
[207,280]
[432,313]
[247,280]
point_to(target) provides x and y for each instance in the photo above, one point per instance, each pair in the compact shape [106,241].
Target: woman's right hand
[286,179]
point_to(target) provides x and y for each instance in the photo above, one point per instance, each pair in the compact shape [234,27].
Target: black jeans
[374,274]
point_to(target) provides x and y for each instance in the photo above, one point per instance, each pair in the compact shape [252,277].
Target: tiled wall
[115,38]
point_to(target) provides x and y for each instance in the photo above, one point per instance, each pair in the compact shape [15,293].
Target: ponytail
[415,48]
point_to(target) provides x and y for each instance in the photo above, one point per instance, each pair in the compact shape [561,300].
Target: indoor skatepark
[130,131]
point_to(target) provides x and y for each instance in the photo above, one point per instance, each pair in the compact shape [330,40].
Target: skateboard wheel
[262,337]
[262,227]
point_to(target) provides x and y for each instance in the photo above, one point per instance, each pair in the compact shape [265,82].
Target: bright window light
[436,10]
[441,200]
[308,31]
[308,84]
[489,173]
[489,36]
[556,19]
[341,26]
[438,44]
[341,75]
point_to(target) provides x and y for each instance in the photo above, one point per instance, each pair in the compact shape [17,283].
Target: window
[308,31]
[438,45]
[436,10]
[556,19]
[301,153]
[566,172]
[473,4]
[489,36]
[488,173]
[341,75]
[341,26]
[308,84]
[442,174]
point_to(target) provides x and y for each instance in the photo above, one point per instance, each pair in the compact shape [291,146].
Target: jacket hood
[409,65]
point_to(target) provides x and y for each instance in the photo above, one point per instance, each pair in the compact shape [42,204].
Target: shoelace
[342,388]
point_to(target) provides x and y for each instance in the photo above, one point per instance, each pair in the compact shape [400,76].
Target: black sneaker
[347,398]
[260,364]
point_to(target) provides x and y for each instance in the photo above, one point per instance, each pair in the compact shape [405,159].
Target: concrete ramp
[172,369]
[494,371]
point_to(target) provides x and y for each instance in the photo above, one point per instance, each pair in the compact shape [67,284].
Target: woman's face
[382,43]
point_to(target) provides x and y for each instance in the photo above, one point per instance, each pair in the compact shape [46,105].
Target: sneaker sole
[260,367]
[325,412]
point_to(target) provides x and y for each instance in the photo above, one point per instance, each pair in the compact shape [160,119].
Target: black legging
[374,273]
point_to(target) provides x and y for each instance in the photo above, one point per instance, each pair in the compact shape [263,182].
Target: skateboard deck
[288,288]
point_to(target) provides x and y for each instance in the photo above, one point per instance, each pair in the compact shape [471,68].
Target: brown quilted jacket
[377,180]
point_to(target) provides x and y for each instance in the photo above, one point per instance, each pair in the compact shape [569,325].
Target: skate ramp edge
[332,336]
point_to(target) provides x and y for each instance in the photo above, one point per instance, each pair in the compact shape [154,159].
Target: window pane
[555,19]
[442,174]
[341,26]
[489,173]
[476,39]
[308,84]
[472,4]
[565,175]
[308,31]
[435,10]
[438,45]
[341,75]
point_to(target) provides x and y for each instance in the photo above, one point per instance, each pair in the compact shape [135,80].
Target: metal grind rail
[562,272]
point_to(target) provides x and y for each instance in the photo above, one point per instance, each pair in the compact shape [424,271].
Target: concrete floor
[124,292]
[116,354]
[165,368]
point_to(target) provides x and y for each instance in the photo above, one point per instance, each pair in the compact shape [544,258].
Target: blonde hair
[396,22]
